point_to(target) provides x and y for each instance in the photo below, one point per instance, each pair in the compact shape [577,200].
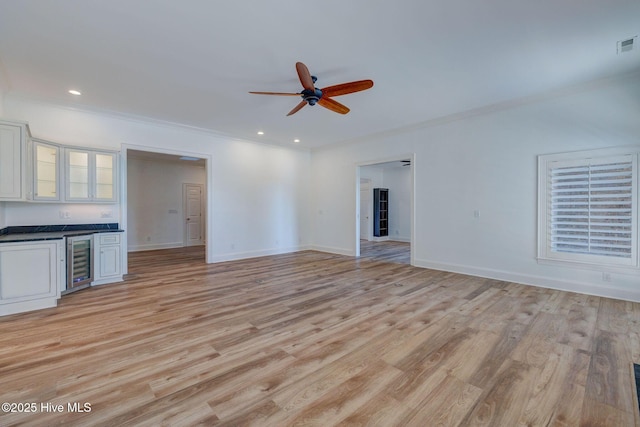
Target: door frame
[208,158]
[358,167]
[369,208]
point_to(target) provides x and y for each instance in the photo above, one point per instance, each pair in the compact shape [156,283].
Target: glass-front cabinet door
[105,176]
[90,176]
[78,175]
[46,171]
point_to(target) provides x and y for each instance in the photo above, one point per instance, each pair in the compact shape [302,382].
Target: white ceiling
[192,62]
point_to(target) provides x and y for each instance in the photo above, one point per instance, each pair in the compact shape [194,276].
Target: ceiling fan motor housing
[311,96]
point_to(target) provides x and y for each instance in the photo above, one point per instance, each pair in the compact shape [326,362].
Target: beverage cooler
[79,262]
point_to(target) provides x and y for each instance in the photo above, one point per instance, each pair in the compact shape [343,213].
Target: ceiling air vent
[626,45]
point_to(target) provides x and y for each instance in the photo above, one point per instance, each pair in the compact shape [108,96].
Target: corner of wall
[2,216]
[4,87]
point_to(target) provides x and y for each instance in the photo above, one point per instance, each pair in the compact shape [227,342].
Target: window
[588,208]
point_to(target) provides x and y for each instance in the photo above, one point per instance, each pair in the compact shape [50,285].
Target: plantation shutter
[591,207]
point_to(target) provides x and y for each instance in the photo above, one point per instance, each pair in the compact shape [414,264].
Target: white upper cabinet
[105,177]
[90,176]
[32,170]
[77,175]
[46,171]
[12,161]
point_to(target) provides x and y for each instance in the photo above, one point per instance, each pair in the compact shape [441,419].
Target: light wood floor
[319,339]
[387,251]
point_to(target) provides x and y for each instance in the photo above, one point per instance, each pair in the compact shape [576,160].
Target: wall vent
[626,45]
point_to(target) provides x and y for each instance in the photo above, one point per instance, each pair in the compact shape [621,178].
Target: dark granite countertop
[32,233]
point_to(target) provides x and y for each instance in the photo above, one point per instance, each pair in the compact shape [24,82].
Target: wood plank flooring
[317,339]
[387,251]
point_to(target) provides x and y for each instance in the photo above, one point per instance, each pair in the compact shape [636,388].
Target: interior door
[192,194]
[365,206]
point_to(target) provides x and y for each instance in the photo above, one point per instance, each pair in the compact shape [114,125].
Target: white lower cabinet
[31,275]
[107,258]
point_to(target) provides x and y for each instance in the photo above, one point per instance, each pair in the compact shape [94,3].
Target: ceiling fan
[312,95]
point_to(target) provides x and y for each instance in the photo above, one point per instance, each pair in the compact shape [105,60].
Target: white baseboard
[109,280]
[401,239]
[332,250]
[391,239]
[235,256]
[140,248]
[533,280]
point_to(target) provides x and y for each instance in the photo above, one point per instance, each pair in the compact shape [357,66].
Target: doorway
[398,176]
[366,207]
[154,203]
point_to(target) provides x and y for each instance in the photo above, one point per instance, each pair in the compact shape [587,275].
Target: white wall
[3,89]
[25,213]
[398,181]
[258,194]
[155,211]
[487,162]
[374,174]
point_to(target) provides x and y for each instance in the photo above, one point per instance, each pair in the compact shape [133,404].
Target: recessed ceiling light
[75,92]
[260,133]
[296,140]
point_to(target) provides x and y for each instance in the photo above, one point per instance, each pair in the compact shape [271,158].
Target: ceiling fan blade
[345,88]
[333,105]
[305,76]
[276,93]
[298,108]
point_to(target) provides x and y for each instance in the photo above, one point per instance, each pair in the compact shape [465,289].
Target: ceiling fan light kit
[312,95]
